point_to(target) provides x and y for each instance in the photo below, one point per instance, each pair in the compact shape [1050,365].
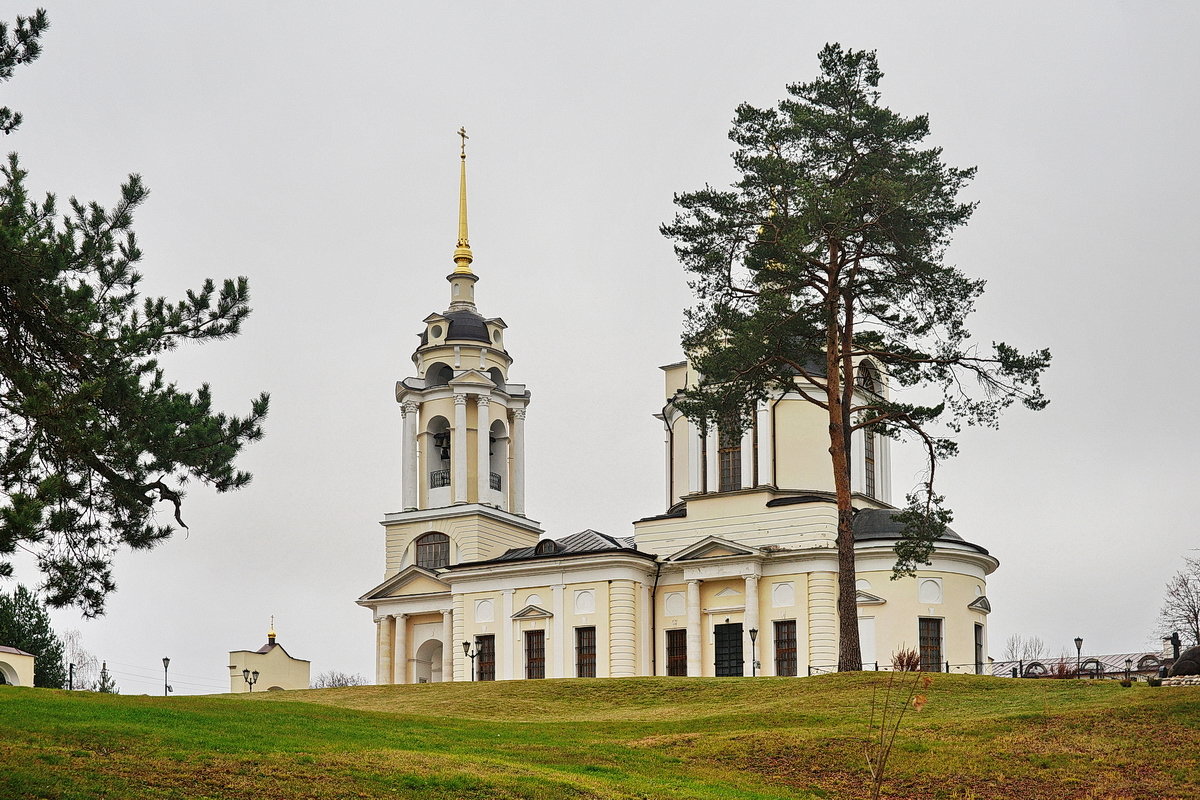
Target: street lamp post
[753,653]
[469,653]
[166,682]
[1128,667]
[1078,653]
[250,678]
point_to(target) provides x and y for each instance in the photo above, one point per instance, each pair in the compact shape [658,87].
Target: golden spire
[462,252]
[271,632]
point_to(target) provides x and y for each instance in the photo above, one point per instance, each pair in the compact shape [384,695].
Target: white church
[736,576]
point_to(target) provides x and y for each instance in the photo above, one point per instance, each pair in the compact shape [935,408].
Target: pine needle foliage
[828,251]
[92,435]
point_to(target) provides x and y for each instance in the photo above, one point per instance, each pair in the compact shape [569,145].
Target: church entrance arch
[8,675]
[427,662]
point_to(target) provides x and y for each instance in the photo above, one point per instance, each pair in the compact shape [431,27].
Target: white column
[556,646]
[459,452]
[506,642]
[693,453]
[448,645]
[693,629]
[748,458]
[766,441]
[460,671]
[409,454]
[822,622]
[400,660]
[518,461]
[383,650]
[646,643]
[751,617]
[483,457]
[622,629]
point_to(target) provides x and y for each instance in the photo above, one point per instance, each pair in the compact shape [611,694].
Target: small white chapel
[736,575]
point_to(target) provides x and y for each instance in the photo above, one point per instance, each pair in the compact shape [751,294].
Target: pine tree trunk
[839,384]
[849,651]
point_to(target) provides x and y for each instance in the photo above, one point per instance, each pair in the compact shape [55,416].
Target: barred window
[677,652]
[785,647]
[485,646]
[585,652]
[535,654]
[433,550]
[930,631]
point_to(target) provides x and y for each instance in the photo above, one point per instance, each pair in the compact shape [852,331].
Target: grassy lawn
[724,738]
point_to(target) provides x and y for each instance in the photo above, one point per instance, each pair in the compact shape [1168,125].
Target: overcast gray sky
[313,150]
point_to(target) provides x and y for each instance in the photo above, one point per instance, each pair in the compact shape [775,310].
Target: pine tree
[92,435]
[105,683]
[827,251]
[25,625]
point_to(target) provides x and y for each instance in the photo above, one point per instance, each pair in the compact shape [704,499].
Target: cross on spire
[463,133]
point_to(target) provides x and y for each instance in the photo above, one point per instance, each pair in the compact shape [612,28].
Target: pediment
[532,612]
[980,603]
[434,318]
[472,377]
[411,580]
[729,592]
[867,599]
[499,323]
[713,547]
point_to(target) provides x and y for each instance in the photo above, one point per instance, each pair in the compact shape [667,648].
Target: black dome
[463,325]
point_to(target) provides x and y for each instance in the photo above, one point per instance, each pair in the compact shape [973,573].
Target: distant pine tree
[25,625]
[106,684]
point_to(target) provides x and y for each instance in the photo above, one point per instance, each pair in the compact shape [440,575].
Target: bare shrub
[333,679]
[906,660]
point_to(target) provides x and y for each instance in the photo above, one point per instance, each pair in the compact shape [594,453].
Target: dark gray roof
[463,325]
[879,523]
[588,541]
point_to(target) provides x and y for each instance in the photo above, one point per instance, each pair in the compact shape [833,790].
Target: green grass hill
[727,738]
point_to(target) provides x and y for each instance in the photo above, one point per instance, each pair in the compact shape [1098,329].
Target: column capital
[751,576]
[399,616]
[519,413]
[409,407]
[460,399]
[482,400]
[694,580]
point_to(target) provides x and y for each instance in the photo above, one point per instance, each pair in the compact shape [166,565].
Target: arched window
[438,453]
[546,546]
[438,374]
[868,380]
[498,462]
[433,550]
[497,376]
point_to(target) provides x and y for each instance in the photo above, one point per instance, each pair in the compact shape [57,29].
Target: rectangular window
[535,654]
[868,463]
[785,647]
[729,457]
[931,644]
[485,646]
[585,652]
[978,649]
[677,652]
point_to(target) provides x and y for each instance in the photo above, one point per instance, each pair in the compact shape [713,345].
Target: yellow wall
[275,669]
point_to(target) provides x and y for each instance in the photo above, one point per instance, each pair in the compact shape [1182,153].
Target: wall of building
[17,669]
[276,669]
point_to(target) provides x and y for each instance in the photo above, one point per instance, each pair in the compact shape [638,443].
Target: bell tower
[463,458]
